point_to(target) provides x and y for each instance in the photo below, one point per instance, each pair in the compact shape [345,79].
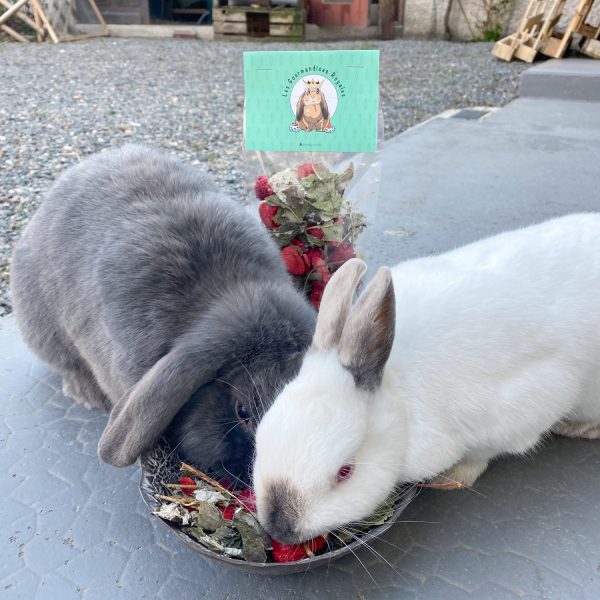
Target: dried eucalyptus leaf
[228,537]
[210,543]
[207,517]
[255,541]
[174,512]
[334,232]
[209,496]
[343,179]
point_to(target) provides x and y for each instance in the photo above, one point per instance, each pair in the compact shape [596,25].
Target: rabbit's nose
[284,505]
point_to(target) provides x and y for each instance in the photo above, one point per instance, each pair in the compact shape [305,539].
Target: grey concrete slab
[73,527]
[566,79]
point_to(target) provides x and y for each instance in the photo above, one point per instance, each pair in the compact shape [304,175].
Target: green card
[312,101]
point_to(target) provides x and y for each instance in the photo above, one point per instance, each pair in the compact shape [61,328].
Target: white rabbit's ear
[336,304]
[368,334]
[138,420]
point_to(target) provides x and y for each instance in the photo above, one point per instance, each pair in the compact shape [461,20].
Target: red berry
[189,486]
[267,212]
[317,293]
[293,552]
[316,544]
[313,255]
[338,255]
[293,261]
[262,188]
[322,269]
[299,244]
[286,552]
[316,232]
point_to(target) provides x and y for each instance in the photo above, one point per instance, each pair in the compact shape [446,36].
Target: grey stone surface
[572,79]
[72,527]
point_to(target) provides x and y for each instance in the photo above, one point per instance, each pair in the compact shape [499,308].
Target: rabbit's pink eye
[345,472]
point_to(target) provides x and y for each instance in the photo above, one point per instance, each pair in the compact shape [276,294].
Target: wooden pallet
[41,25]
[535,28]
[536,32]
[556,45]
[258,21]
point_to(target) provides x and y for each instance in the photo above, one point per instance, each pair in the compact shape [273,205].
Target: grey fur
[159,299]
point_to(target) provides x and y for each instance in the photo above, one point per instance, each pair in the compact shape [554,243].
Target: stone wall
[60,13]
[426,17]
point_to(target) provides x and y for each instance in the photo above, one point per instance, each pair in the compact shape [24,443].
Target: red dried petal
[248,500]
[189,486]
[227,511]
[267,212]
[228,485]
[306,169]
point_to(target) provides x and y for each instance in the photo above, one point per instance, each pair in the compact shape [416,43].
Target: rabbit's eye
[344,472]
[242,412]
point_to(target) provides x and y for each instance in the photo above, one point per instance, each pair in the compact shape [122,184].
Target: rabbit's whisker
[358,559]
[368,546]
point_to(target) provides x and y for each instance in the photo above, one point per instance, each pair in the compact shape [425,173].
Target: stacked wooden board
[40,23]
[259,21]
[536,32]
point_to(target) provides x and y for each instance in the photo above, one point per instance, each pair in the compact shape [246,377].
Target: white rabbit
[483,351]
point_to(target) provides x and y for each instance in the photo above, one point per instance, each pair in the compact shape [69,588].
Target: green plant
[491,24]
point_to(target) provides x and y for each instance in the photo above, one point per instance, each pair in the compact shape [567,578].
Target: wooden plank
[83,36]
[295,30]
[231,17]
[23,17]
[504,48]
[231,28]
[12,10]
[13,34]
[591,48]
[99,16]
[557,48]
[535,20]
[289,19]
[38,22]
[588,31]
[526,53]
[37,6]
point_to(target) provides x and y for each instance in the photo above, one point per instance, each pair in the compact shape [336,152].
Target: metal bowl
[147,489]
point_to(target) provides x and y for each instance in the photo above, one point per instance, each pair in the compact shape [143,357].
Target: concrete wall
[426,17]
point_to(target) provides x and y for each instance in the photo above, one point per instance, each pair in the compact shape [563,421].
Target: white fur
[495,343]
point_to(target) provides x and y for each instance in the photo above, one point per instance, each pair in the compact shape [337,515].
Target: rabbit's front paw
[461,475]
[578,429]
[84,391]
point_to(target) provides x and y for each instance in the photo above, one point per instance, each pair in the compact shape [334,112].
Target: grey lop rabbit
[158,299]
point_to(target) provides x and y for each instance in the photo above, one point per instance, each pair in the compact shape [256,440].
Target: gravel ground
[60,103]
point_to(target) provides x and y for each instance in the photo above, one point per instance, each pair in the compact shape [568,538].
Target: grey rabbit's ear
[139,419]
